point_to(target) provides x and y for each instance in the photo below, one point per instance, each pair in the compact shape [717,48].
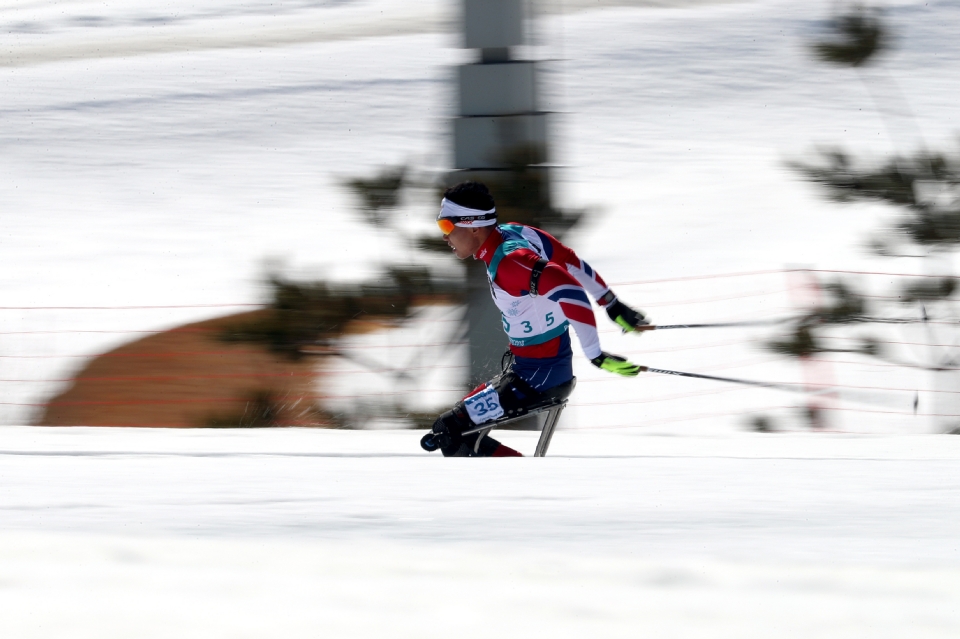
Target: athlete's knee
[486,447]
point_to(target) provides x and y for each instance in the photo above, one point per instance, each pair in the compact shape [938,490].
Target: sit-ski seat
[554,400]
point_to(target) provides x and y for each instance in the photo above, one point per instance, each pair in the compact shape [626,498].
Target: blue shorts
[546,372]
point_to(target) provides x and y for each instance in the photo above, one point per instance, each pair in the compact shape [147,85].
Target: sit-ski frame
[546,434]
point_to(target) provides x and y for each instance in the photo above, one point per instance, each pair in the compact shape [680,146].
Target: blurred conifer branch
[855,38]
[923,189]
[379,194]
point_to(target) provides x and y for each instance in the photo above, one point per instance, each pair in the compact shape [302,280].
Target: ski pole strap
[535,274]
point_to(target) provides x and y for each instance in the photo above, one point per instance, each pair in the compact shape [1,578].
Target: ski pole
[663,327]
[857,396]
[793,388]
[773,322]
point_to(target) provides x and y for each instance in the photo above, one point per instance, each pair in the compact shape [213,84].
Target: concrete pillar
[498,114]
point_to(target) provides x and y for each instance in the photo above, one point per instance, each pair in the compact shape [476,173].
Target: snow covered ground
[294,533]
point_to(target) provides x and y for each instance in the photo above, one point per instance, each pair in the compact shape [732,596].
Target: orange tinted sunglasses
[446,225]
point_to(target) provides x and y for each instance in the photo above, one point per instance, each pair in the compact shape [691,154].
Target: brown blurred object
[189,377]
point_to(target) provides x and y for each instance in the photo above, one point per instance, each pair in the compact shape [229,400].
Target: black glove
[628,319]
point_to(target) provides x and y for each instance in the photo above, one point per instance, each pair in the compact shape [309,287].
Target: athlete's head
[467,217]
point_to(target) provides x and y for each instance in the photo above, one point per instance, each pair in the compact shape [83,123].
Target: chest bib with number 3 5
[484,406]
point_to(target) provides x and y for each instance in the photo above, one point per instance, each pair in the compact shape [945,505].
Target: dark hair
[473,195]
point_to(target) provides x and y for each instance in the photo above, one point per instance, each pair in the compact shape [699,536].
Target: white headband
[465,216]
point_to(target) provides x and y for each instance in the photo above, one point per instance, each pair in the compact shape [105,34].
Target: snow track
[739,497]
[164,533]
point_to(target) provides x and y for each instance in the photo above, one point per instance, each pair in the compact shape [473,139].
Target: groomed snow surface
[116,533]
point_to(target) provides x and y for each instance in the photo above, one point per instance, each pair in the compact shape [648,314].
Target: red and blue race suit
[537,325]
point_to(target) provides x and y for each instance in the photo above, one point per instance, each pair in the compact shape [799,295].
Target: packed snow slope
[111,533]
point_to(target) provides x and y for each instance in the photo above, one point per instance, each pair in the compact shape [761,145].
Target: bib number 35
[527,326]
[484,406]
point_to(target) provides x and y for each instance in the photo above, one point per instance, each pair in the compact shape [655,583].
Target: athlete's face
[464,240]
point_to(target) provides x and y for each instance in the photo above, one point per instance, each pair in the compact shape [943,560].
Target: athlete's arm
[627,318]
[562,254]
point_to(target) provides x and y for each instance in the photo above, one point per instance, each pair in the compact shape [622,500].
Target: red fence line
[181,329]
[767,272]
[729,342]
[867,362]
[135,355]
[704,369]
[436,344]
[694,417]
[681,418]
[156,402]
[115,332]
[708,300]
[185,329]
[652,400]
[161,378]
[891,341]
[889,412]
[427,345]
[622,283]
[824,270]
[662,398]
[233,352]
[125,308]
[697,277]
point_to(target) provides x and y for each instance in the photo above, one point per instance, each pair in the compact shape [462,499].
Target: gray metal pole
[497,115]
[484,331]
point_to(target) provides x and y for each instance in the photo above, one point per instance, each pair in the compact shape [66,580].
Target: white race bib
[484,406]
